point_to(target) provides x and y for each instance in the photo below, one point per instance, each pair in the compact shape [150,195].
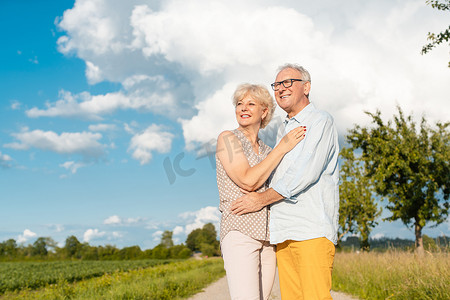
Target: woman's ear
[266,111]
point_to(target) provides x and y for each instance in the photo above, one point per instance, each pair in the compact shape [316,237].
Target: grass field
[15,276]
[175,280]
[393,275]
[389,275]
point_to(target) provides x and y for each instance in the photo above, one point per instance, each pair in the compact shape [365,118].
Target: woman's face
[250,111]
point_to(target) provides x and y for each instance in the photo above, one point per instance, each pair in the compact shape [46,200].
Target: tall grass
[172,281]
[393,275]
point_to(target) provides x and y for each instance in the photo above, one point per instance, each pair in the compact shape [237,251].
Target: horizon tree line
[201,239]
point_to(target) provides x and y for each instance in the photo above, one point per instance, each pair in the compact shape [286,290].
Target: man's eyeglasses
[286,83]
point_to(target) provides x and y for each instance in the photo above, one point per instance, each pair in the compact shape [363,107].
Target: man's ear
[307,88]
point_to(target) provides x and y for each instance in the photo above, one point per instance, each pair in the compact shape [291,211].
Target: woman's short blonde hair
[258,93]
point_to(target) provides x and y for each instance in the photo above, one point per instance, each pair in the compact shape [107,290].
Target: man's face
[294,98]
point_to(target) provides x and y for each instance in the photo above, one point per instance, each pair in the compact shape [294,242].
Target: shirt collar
[301,115]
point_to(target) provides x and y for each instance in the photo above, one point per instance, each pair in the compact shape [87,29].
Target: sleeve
[307,165]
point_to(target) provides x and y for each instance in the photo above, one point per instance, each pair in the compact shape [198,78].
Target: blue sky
[108,108]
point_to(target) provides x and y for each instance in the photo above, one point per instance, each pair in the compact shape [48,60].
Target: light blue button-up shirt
[308,178]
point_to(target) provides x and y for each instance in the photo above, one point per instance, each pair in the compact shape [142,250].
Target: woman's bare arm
[231,155]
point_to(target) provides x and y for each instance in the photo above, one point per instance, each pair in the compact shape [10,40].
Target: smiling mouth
[245,116]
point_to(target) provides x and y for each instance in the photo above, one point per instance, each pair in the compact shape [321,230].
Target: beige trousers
[250,266]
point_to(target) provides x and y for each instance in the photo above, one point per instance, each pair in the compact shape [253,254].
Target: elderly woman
[244,163]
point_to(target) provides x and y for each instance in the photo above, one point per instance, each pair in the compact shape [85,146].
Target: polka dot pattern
[254,225]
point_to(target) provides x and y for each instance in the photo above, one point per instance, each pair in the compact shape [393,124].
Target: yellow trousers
[305,269]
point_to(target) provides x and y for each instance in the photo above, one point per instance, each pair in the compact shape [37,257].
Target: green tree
[429,243]
[133,252]
[166,239]
[184,253]
[210,232]
[9,248]
[51,245]
[40,247]
[25,251]
[208,249]
[160,252]
[73,247]
[436,39]
[43,246]
[180,251]
[108,252]
[148,253]
[408,166]
[205,235]
[90,253]
[191,241]
[358,210]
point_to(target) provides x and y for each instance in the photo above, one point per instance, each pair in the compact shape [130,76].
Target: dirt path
[219,291]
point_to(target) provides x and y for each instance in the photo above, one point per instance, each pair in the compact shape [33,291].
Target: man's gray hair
[303,71]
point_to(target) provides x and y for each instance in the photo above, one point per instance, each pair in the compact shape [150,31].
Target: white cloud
[5,157]
[87,106]
[215,114]
[157,236]
[83,105]
[378,236]
[92,234]
[197,219]
[116,220]
[102,127]
[134,220]
[93,73]
[174,56]
[5,160]
[130,128]
[34,60]
[228,33]
[117,234]
[92,27]
[178,230]
[151,139]
[72,166]
[84,143]
[142,79]
[27,234]
[15,105]
[112,220]
[56,227]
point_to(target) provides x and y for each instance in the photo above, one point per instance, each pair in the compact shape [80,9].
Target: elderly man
[304,193]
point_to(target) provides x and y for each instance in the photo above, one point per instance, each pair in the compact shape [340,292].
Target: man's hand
[250,202]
